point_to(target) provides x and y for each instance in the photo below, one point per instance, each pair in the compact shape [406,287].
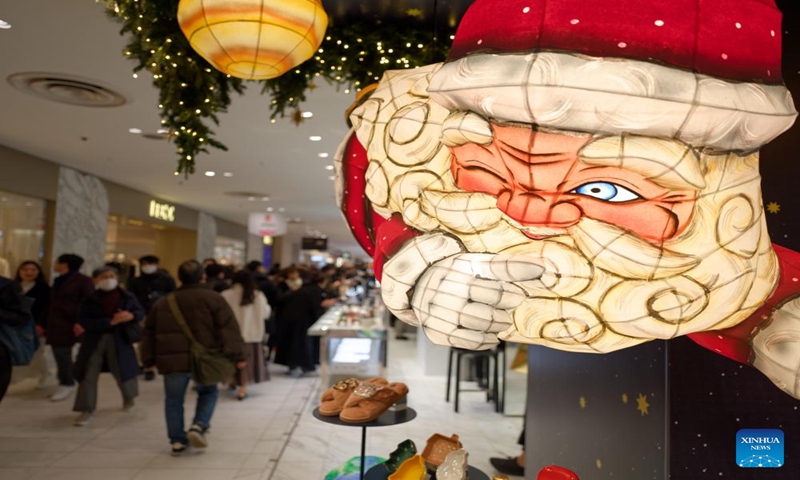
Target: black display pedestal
[388,419]
[379,472]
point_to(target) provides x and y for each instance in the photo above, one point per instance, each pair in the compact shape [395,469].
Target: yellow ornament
[412,469]
[253,39]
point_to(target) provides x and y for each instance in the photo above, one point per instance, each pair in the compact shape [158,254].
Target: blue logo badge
[759,448]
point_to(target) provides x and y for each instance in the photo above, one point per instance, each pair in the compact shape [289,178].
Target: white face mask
[149,269]
[107,284]
[296,283]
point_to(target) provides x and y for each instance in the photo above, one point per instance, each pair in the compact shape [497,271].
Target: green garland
[191,90]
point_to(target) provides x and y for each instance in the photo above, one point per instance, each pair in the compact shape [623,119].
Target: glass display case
[353,341]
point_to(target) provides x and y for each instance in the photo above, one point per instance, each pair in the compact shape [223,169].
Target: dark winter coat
[93,317]
[40,294]
[14,309]
[208,316]
[150,288]
[66,297]
[298,310]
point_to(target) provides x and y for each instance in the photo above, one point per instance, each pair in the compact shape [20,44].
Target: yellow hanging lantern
[253,39]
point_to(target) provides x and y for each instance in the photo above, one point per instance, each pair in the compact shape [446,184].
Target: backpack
[21,341]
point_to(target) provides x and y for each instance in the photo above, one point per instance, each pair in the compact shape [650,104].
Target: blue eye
[607,192]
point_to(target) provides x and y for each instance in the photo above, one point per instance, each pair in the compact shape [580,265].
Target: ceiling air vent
[63,88]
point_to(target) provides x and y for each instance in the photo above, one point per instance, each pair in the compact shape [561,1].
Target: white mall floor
[272,435]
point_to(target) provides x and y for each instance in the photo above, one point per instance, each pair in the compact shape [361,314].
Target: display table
[388,419]
[351,344]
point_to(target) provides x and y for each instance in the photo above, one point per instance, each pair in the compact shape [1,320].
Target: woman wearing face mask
[299,307]
[111,318]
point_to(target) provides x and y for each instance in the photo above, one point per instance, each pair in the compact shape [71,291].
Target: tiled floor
[270,436]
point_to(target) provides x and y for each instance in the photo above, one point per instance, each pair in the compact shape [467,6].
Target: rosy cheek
[648,220]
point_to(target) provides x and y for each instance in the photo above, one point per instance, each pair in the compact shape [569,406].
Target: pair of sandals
[356,401]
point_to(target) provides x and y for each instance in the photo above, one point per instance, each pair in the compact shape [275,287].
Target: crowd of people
[152,326]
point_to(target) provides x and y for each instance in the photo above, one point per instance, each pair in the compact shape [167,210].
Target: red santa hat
[707,72]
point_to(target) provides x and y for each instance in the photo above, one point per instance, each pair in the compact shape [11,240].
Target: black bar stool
[491,357]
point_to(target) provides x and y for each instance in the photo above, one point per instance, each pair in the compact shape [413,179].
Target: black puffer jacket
[210,319]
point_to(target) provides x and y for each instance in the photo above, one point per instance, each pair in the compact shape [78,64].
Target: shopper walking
[300,307]
[31,279]
[14,312]
[110,317]
[165,345]
[251,309]
[151,285]
[62,329]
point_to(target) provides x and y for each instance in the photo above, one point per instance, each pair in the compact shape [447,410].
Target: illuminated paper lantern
[253,39]
[583,175]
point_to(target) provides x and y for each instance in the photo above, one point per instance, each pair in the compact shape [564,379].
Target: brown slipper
[370,400]
[333,399]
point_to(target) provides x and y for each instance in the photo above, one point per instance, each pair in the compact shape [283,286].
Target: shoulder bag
[208,366]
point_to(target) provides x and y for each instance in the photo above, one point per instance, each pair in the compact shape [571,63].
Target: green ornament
[405,450]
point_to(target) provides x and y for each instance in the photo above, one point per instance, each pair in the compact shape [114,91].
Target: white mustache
[619,252]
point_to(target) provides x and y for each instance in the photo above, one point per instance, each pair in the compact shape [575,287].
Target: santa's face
[777,348]
[638,237]
[539,181]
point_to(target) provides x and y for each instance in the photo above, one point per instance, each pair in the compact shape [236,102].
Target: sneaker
[128,405]
[83,419]
[149,375]
[197,436]
[179,449]
[296,372]
[63,393]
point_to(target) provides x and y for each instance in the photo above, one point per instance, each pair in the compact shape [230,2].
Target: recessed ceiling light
[329,167]
[315,138]
[306,114]
[4,25]
[252,199]
[210,174]
[227,174]
[162,131]
[135,130]
[265,199]
[322,155]
[269,209]
[331,178]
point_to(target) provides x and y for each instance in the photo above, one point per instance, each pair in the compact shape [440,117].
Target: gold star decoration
[625,398]
[582,402]
[312,87]
[642,405]
[599,463]
[297,118]
[773,207]
[414,12]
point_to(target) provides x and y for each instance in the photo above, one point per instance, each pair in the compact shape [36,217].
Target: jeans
[175,389]
[63,357]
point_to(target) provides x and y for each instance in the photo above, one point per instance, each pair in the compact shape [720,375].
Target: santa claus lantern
[583,175]
[253,39]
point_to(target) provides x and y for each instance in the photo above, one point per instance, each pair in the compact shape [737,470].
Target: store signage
[266,224]
[162,211]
